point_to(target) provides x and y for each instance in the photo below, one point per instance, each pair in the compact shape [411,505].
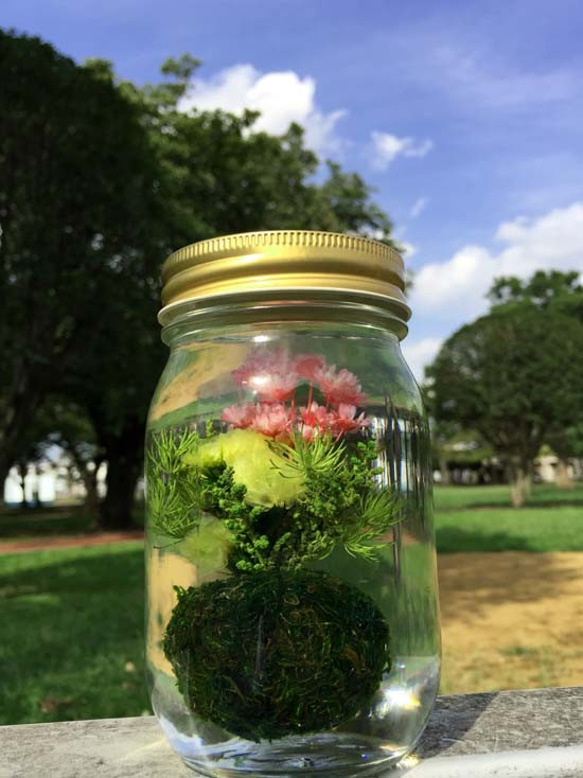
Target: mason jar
[292,623]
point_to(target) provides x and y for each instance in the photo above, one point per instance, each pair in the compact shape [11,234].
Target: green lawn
[480,519]
[71,643]
[17,524]
[543,495]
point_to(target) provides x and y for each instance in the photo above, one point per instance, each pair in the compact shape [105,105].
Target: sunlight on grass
[480,519]
[72,626]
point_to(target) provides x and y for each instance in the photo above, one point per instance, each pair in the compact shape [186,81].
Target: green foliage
[99,181]
[511,376]
[377,512]
[173,488]
[557,294]
[345,205]
[562,291]
[225,499]
[277,653]
[75,183]
[318,458]
[552,292]
[340,504]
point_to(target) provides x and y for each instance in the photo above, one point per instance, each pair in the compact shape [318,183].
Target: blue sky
[466,116]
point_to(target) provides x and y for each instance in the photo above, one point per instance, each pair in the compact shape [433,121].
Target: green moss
[277,653]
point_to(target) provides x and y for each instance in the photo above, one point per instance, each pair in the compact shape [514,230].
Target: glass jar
[293,623]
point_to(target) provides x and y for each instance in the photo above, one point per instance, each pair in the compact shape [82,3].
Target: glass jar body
[292,622]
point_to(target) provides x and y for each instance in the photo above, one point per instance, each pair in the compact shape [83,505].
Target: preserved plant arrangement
[282,484]
[292,619]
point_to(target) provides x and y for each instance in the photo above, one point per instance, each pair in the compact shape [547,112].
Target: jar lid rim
[284,259]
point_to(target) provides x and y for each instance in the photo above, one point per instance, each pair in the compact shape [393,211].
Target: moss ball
[272,654]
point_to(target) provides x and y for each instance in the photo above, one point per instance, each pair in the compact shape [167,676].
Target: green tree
[76,198]
[561,292]
[510,376]
[68,427]
[112,379]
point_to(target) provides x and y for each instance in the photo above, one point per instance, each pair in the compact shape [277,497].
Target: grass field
[16,524]
[71,643]
[478,518]
[486,497]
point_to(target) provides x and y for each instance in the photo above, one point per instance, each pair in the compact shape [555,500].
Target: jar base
[325,755]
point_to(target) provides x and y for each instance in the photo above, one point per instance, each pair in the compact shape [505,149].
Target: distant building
[466,460]
[547,464]
[51,481]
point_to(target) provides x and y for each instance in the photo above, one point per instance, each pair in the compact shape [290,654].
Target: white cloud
[280,97]
[408,248]
[477,77]
[418,207]
[420,353]
[456,289]
[387,147]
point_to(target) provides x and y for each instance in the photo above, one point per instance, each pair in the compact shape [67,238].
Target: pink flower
[305,365]
[345,421]
[274,388]
[272,419]
[340,387]
[240,416]
[248,370]
[269,374]
[314,416]
[309,433]
[262,363]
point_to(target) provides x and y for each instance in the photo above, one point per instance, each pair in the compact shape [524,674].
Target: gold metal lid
[288,263]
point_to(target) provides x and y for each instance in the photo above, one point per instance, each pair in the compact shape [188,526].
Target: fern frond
[320,457]
[378,512]
[173,488]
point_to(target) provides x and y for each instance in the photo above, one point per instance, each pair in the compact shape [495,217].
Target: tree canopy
[514,375]
[75,180]
[99,180]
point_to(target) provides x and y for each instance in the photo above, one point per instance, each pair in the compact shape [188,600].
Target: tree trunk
[4,471]
[444,470]
[124,456]
[519,486]
[21,403]
[91,504]
[563,477]
[528,483]
[88,476]
[22,469]
[115,511]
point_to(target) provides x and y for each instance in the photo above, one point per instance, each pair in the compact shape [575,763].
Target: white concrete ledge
[529,734]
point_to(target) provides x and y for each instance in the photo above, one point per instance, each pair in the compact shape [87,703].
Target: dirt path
[65,541]
[511,620]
